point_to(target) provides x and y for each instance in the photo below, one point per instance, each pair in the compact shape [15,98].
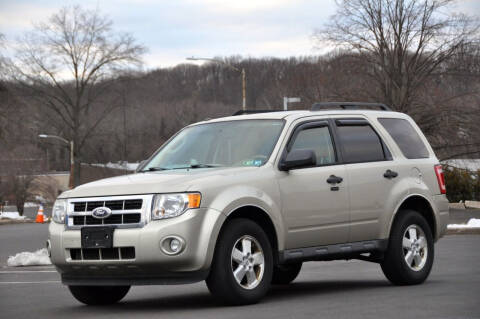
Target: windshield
[233,143]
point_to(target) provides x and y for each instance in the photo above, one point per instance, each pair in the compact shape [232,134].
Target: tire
[99,295]
[285,274]
[420,254]
[231,256]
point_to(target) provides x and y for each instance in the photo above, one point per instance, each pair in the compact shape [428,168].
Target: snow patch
[31,204]
[119,165]
[12,215]
[38,258]
[472,223]
[40,199]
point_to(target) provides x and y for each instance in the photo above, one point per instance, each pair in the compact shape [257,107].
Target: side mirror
[298,159]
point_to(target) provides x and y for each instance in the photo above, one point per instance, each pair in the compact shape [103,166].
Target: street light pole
[72,160]
[72,166]
[244,90]
[242,71]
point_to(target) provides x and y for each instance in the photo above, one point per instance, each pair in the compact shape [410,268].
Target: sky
[175,29]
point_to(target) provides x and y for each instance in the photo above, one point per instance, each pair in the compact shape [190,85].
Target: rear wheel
[99,295]
[241,269]
[285,274]
[409,258]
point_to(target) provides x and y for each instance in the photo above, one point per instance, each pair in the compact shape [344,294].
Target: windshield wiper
[157,168]
[204,165]
[154,169]
[199,166]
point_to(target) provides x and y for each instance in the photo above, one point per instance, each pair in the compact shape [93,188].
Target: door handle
[390,174]
[334,179]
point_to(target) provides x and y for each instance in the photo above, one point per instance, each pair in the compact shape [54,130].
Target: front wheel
[410,253]
[99,295]
[241,269]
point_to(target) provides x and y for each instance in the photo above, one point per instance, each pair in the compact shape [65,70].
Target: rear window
[406,137]
[360,143]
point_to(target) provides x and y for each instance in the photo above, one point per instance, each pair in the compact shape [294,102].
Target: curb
[5,221]
[468,204]
[465,231]
[457,205]
[472,204]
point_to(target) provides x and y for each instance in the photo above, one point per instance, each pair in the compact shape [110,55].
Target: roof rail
[244,112]
[349,106]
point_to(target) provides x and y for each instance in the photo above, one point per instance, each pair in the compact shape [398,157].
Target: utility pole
[242,71]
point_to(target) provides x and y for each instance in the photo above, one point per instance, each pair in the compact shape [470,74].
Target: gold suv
[242,201]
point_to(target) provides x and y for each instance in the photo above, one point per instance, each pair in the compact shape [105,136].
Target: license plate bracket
[97,237]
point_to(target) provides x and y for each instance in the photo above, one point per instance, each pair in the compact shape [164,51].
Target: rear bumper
[198,228]
[443,215]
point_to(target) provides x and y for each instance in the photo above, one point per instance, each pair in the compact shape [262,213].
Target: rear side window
[406,137]
[360,143]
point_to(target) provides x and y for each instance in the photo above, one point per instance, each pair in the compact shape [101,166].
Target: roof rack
[244,112]
[349,106]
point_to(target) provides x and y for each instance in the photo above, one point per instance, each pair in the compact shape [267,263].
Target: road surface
[339,289]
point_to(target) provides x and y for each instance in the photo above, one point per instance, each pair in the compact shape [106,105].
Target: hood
[171,181]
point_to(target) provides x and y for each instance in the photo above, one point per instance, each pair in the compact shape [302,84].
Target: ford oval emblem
[101,212]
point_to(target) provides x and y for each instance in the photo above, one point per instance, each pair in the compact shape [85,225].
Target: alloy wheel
[415,247]
[248,262]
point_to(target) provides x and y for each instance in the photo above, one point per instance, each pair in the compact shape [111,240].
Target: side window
[359,142]
[317,139]
[406,137]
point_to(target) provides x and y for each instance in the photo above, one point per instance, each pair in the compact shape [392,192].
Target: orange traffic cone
[39,218]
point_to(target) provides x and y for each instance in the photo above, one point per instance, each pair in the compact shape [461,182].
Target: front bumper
[199,229]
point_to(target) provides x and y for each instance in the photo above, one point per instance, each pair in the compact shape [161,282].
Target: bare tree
[2,58]
[17,176]
[20,190]
[3,190]
[2,87]
[405,41]
[47,187]
[67,62]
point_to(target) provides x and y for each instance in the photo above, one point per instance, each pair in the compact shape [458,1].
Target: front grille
[116,253]
[126,211]
[114,219]
[128,204]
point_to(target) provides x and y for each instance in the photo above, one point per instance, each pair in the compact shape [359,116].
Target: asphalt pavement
[338,289]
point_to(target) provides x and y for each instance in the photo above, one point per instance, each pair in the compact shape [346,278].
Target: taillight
[440,178]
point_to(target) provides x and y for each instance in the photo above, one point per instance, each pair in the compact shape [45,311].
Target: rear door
[316,212]
[370,172]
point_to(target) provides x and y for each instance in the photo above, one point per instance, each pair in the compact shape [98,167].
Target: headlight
[59,211]
[173,205]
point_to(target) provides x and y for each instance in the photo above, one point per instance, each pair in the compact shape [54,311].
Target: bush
[476,186]
[461,184]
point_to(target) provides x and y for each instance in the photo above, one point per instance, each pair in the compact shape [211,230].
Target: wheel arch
[262,218]
[420,204]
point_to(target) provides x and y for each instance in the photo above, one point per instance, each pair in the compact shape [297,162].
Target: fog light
[172,245]
[175,245]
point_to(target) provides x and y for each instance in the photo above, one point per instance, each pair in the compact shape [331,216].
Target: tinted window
[360,143]
[406,137]
[318,140]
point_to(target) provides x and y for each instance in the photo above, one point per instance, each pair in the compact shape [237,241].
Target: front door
[315,205]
